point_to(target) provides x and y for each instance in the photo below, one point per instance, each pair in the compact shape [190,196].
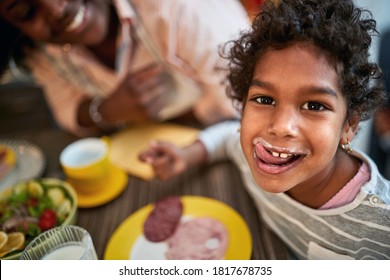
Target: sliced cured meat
[198,239]
[164,218]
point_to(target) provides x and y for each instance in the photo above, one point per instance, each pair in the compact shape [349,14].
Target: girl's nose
[284,123]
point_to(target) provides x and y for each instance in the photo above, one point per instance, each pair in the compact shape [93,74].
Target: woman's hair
[13,45]
[339,28]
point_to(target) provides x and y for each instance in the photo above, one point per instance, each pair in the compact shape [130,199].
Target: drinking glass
[67,242]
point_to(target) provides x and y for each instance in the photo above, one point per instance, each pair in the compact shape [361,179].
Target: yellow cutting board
[127,144]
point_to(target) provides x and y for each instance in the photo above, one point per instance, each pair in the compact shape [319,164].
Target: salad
[33,207]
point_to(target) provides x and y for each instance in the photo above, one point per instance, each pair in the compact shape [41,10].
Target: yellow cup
[86,164]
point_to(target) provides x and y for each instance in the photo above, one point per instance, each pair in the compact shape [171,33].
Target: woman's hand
[140,96]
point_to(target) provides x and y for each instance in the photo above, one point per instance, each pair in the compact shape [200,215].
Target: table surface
[220,181]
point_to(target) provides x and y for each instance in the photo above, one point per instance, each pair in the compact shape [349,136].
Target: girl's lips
[274,165]
[277,149]
[275,160]
[272,157]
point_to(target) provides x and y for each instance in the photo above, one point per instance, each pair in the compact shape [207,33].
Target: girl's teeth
[282,155]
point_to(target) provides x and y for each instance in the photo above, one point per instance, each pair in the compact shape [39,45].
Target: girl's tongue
[268,158]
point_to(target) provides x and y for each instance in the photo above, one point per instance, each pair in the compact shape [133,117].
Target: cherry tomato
[47,220]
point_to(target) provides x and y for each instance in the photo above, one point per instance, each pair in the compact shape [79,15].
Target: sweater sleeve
[216,138]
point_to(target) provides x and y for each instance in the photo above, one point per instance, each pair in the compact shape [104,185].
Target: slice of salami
[164,218]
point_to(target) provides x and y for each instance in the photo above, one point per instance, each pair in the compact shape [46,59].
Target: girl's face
[294,119]
[59,21]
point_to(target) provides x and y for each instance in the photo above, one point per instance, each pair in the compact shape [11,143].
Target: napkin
[127,144]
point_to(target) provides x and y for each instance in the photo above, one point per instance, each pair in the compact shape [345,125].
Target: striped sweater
[358,230]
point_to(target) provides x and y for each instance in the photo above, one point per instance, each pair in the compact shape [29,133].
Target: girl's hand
[167,159]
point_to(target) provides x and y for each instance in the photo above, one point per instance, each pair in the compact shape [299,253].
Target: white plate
[30,162]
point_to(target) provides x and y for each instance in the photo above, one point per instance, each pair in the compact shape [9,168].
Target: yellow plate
[125,236]
[114,185]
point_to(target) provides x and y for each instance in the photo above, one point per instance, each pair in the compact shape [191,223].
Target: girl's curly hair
[336,26]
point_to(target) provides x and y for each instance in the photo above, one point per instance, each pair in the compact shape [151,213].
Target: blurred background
[21,98]
[376,144]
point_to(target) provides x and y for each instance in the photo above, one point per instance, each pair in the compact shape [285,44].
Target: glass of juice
[67,242]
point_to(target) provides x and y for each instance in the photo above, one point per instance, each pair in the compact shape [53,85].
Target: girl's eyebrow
[258,83]
[325,90]
[316,89]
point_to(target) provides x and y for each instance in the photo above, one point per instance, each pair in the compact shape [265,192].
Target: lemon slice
[3,239]
[15,242]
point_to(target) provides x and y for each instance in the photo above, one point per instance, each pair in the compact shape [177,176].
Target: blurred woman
[103,64]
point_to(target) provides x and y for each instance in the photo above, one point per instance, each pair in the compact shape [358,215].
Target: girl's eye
[313,106]
[264,100]
[22,11]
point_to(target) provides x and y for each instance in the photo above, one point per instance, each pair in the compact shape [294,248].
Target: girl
[304,82]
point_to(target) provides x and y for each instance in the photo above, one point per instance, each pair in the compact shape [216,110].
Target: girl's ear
[350,129]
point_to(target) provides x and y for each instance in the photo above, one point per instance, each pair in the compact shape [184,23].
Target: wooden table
[220,181]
